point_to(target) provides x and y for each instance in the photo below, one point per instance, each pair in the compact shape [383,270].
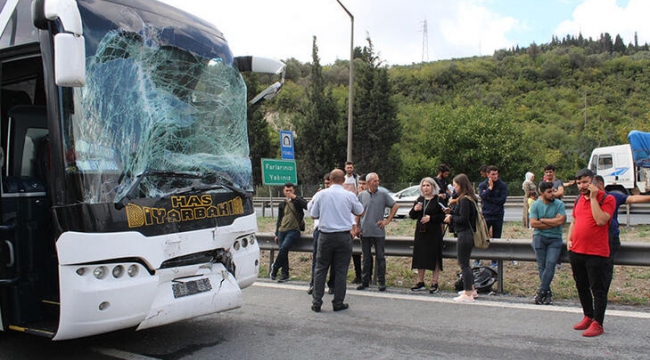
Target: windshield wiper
[135,184]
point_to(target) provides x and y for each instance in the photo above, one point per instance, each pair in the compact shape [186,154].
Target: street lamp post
[350,101]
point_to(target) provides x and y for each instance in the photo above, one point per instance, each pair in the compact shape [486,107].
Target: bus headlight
[118,271]
[133,270]
[100,272]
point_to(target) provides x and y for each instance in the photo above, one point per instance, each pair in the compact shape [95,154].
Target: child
[532,196]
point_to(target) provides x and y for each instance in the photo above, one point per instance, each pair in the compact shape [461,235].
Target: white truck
[625,168]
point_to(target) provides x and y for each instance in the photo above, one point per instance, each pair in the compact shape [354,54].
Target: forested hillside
[518,109]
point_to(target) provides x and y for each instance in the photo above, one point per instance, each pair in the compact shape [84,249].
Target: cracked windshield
[151,107]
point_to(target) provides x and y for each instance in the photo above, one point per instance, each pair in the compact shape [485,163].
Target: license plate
[187,288]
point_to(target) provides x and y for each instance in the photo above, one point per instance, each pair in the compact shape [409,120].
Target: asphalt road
[276,323]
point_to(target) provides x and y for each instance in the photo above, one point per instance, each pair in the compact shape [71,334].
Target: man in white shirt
[351,182]
[332,207]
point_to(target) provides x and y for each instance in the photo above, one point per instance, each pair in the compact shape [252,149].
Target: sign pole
[271,200]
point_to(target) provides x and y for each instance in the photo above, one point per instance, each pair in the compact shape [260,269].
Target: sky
[284,29]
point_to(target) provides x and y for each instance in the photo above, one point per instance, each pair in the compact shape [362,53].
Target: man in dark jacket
[287,229]
[493,192]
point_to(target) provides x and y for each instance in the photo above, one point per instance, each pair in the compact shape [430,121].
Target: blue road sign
[286,145]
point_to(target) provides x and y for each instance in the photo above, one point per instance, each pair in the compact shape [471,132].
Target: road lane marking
[479,302]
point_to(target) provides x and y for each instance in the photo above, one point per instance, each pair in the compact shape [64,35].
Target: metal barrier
[630,253]
[512,202]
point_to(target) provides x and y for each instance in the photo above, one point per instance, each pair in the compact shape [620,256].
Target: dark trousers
[330,282]
[464,252]
[592,275]
[367,243]
[286,239]
[335,250]
[356,260]
[614,246]
[496,225]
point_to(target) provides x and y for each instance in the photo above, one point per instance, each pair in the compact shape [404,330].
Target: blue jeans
[286,239]
[547,252]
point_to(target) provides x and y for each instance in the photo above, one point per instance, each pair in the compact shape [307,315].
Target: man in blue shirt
[547,215]
[614,232]
[333,207]
[493,192]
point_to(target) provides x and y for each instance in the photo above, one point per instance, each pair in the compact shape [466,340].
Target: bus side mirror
[263,65]
[69,46]
[69,60]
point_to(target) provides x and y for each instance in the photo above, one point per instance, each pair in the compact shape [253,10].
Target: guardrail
[271,205]
[631,253]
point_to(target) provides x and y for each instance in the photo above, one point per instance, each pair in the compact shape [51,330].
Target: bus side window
[10,99]
[27,128]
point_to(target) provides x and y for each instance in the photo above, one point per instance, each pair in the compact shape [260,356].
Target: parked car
[408,195]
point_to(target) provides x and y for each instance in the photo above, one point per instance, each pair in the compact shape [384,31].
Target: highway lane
[276,322]
[514,213]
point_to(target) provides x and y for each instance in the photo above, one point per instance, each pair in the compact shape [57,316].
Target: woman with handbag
[427,251]
[461,217]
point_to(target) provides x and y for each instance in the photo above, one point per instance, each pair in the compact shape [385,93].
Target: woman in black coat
[427,251]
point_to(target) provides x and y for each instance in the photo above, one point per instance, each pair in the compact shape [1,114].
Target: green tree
[318,143]
[376,128]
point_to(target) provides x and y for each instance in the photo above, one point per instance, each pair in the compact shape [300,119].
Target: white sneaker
[474,293]
[464,298]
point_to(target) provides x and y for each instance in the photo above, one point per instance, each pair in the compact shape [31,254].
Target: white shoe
[464,298]
[474,293]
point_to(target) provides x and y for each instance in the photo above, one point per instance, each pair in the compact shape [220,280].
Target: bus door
[28,273]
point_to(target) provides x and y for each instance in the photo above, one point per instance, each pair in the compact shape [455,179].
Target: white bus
[126,194]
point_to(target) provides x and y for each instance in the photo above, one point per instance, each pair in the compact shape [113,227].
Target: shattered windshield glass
[151,107]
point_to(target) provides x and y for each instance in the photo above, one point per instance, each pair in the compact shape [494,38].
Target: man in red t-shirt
[588,245]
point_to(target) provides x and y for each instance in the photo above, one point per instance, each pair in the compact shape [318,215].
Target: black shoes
[338,307]
[357,280]
[544,297]
[362,286]
[311,290]
[274,272]
[434,289]
[330,291]
[284,278]
[382,287]
[548,299]
[418,287]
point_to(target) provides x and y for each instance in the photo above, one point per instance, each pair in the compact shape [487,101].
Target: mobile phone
[442,206]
